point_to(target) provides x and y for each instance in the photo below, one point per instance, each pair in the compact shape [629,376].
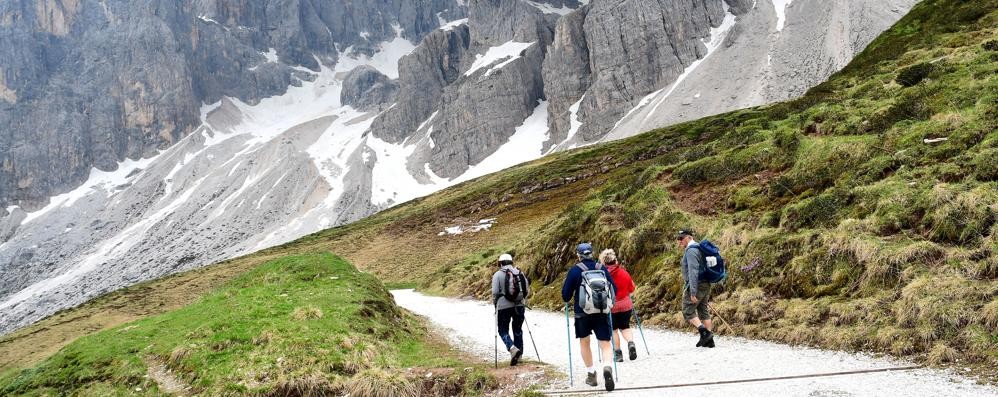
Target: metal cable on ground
[727,382]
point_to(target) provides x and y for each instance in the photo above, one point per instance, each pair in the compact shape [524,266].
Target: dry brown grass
[804,311]
[177,357]
[306,313]
[941,353]
[380,383]
[989,315]
[308,385]
[264,338]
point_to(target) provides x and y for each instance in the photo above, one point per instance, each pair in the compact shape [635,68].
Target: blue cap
[584,249]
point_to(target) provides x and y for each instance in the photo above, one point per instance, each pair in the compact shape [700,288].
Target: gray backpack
[595,294]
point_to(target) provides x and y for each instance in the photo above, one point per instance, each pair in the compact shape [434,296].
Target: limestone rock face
[87,84]
[366,88]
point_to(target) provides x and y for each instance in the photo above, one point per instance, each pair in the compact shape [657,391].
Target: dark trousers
[516,315]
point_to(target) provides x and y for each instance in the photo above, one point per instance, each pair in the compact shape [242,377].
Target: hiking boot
[515,352]
[618,356]
[710,342]
[591,379]
[608,378]
[632,351]
[705,335]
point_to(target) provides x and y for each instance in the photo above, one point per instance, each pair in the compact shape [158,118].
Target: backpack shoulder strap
[582,266]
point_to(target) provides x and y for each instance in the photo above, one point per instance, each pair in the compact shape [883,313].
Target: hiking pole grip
[568,332]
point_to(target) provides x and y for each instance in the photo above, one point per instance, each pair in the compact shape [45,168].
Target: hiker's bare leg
[587,351]
[695,322]
[709,324]
[604,345]
[628,335]
[616,339]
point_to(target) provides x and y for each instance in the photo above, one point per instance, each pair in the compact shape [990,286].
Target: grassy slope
[843,228]
[293,326]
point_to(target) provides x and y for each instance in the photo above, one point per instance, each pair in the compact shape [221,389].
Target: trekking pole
[613,346]
[641,330]
[495,334]
[718,315]
[532,341]
[568,332]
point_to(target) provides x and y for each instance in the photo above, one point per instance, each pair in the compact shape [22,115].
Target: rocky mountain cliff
[152,138]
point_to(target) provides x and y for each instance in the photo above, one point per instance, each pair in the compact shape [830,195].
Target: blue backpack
[714,270]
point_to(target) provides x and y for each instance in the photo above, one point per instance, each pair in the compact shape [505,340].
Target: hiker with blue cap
[591,286]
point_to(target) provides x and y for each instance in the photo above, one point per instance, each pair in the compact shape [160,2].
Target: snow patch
[506,52]
[549,9]
[484,224]
[271,55]
[385,60]
[781,12]
[106,182]
[452,24]
[526,143]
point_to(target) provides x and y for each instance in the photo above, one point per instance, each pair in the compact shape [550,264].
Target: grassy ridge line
[297,325]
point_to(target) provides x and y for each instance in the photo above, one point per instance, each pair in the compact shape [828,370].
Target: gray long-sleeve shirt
[498,281]
[690,264]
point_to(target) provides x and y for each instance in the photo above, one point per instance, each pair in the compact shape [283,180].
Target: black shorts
[621,320]
[589,324]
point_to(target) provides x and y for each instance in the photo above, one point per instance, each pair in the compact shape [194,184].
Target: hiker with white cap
[510,289]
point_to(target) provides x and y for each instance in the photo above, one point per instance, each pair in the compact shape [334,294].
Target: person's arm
[613,285]
[571,283]
[629,283]
[496,288]
[693,264]
[525,278]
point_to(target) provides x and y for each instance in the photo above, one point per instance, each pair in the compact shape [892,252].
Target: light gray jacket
[498,281]
[690,264]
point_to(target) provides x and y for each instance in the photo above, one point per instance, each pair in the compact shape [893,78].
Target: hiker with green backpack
[510,289]
[701,266]
[590,285]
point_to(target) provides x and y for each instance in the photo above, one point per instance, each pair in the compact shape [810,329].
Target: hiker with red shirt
[623,308]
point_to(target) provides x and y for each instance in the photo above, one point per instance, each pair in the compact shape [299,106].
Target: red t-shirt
[625,287]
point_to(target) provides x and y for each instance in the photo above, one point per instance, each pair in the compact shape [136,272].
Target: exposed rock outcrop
[366,88]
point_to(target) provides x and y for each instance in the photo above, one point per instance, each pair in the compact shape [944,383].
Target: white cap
[505,257]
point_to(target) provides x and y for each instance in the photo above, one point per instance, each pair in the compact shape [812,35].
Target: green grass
[308,322]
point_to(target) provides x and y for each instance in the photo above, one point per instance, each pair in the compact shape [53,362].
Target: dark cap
[683,233]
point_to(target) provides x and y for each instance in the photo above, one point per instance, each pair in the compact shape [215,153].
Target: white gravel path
[675,360]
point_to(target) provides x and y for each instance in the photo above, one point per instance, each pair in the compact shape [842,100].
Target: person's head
[683,238]
[505,259]
[608,257]
[584,251]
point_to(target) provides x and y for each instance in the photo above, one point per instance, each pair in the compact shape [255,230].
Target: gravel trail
[675,360]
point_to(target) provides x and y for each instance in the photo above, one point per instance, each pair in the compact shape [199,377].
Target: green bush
[985,165]
[822,210]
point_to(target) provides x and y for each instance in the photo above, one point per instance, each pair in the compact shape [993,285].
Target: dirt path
[167,381]
[675,360]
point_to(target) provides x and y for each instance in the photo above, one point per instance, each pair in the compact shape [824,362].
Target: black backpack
[515,287]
